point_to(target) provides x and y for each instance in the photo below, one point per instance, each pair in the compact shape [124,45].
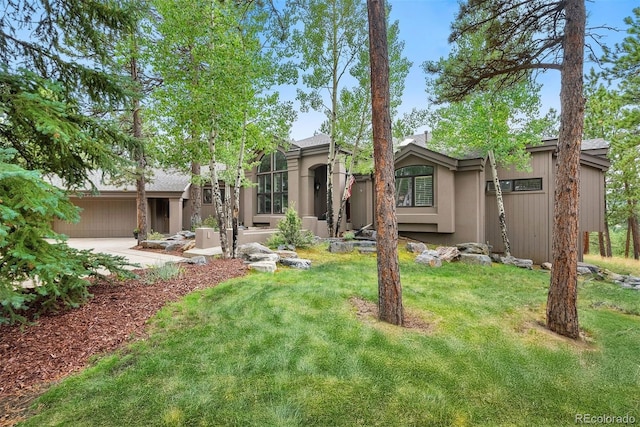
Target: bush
[290,232]
[165,271]
[154,235]
[348,235]
[58,272]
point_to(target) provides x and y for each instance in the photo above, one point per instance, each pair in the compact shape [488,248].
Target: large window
[273,184]
[414,186]
[511,185]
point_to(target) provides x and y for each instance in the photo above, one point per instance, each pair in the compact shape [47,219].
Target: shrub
[154,235]
[58,271]
[348,235]
[290,232]
[165,271]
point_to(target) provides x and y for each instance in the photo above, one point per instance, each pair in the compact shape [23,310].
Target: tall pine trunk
[389,288]
[562,311]
[500,202]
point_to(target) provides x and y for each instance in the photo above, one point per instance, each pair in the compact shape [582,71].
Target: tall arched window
[414,186]
[273,184]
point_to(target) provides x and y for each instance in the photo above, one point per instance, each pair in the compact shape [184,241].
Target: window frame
[405,174]
[512,186]
[271,200]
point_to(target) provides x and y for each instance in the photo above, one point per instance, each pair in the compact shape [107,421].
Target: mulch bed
[33,356]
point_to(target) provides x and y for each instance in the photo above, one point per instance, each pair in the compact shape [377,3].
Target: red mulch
[33,356]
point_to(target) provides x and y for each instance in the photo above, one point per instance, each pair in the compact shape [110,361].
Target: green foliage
[154,235]
[59,273]
[290,232]
[165,271]
[348,235]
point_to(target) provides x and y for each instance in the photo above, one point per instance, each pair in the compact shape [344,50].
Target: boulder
[416,247]
[448,253]
[189,245]
[518,262]
[427,258]
[155,244]
[546,266]
[263,266]
[339,247]
[475,259]
[614,277]
[592,269]
[286,254]
[253,248]
[473,248]
[303,264]
[173,246]
[257,257]
[196,260]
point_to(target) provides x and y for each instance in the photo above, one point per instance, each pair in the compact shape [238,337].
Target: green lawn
[289,350]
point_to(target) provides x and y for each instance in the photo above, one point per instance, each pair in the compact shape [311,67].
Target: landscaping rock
[282,253]
[546,266]
[155,244]
[257,257]
[448,253]
[416,247]
[197,260]
[263,266]
[518,262]
[189,245]
[427,258]
[253,248]
[473,248]
[339,247]
[584,268]
[173,246]
[614,277]
[303,264]
[475,259]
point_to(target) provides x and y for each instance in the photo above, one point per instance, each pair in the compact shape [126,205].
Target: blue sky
[424,26]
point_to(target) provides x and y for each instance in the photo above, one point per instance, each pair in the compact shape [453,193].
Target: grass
[289,350]
[618,265]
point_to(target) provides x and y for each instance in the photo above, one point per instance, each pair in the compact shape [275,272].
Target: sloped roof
[594,144]
[161,180]
[425,140]
[314,141]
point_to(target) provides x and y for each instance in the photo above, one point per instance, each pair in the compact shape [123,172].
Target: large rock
[196,260]
[156,244]
[339,247]
[428,258]
[257,257]
[282,253]
[263,266]
[584,268]
[518,262]
[416,247]
[301,263]
[475,259]
[448,253]
[473,248]
[253,248]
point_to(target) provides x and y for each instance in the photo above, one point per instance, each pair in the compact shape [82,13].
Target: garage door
[101,218]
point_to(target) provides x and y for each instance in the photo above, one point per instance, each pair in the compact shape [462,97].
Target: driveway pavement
[122,246]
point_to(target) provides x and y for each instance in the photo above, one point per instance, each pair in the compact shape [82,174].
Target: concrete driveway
[122,246]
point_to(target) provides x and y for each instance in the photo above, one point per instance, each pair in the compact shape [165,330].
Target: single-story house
[442,198]
[445,199]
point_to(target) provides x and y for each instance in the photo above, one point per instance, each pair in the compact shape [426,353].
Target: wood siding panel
[591,199]
[101,218]
[528,214]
